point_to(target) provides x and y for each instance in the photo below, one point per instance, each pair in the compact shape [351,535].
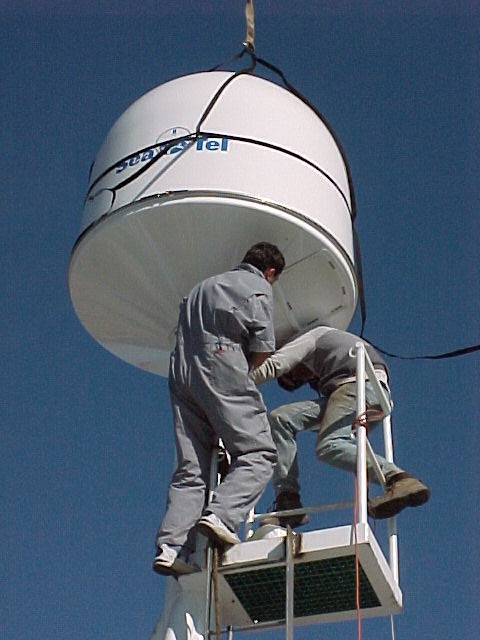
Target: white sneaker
[218,532]
[167,562]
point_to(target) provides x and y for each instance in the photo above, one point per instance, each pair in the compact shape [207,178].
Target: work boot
[402,491]
[287,501]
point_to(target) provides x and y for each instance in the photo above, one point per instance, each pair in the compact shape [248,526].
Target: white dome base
[130,269]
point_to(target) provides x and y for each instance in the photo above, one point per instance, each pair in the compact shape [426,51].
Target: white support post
[213,480]
[392,522]
[387,438]
[250,519]
[361,436]
[289,584]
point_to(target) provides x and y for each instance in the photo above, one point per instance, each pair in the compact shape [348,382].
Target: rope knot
[360,421]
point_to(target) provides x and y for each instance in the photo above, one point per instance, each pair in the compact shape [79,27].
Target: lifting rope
[249,41]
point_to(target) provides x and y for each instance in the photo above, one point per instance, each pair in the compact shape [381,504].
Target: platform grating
[320,587]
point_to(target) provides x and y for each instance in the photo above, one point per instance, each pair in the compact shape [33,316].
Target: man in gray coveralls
[225,328]
[321,357]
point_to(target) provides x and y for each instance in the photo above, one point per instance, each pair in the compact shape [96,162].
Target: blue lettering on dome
[202,144]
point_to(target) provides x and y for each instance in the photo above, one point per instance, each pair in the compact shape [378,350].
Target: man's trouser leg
[285,422]
[335,444]
[194,441]
[245,433]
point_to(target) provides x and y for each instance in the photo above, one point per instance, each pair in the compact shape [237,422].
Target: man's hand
[265,372]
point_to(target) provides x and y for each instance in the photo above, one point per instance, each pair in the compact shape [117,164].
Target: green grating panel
[320,587]
[326,586]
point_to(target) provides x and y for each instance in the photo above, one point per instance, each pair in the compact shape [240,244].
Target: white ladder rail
[365,366]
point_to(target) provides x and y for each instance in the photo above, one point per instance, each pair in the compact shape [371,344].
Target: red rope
[361,421]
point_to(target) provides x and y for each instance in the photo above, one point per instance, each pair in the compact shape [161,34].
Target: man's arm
[261,338]
[258,357]
[285,359]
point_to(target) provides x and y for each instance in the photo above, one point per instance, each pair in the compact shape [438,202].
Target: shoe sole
[271,520]
[176,569]
[284,521]
[165,571]
[294,521]
[394,506]
[214,536]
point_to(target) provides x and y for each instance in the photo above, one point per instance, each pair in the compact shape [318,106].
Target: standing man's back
[235,307]
[225,327]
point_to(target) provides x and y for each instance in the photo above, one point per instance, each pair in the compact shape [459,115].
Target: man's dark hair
[264,255]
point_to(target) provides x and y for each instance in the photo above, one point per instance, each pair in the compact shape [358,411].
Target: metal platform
[252,579]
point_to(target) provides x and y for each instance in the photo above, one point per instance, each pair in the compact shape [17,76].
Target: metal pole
[249,524]
[361,436]
[380,392]
[387,438]
[392,522]
[289,584]
[208,587]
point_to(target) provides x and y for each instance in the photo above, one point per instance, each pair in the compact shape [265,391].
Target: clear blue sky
[86,445]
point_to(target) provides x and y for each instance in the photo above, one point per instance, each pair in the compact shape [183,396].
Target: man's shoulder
[249,277]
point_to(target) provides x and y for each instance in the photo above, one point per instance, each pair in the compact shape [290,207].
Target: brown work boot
[286,501]
[402,491]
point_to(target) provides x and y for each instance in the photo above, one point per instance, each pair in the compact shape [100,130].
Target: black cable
[165,146]
[192,137]
[305,100]
[352,209]
[237,56]
[219,93]
[440,356]
[361,288]
[351,206]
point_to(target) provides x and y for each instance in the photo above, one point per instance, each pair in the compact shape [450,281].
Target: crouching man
[321,357]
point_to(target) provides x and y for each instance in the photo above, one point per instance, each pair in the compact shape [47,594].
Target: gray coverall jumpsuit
[222,321]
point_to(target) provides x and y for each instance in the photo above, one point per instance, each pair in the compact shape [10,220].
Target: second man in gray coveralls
[225,328]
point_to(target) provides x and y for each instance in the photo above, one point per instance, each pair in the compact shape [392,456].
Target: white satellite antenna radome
[168,205]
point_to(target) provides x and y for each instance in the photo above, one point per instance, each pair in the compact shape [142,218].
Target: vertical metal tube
[249,524]
[208,587]
[208,592]
[392,522]
[393,547]
[387,438]
[361,436]
[289,584]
